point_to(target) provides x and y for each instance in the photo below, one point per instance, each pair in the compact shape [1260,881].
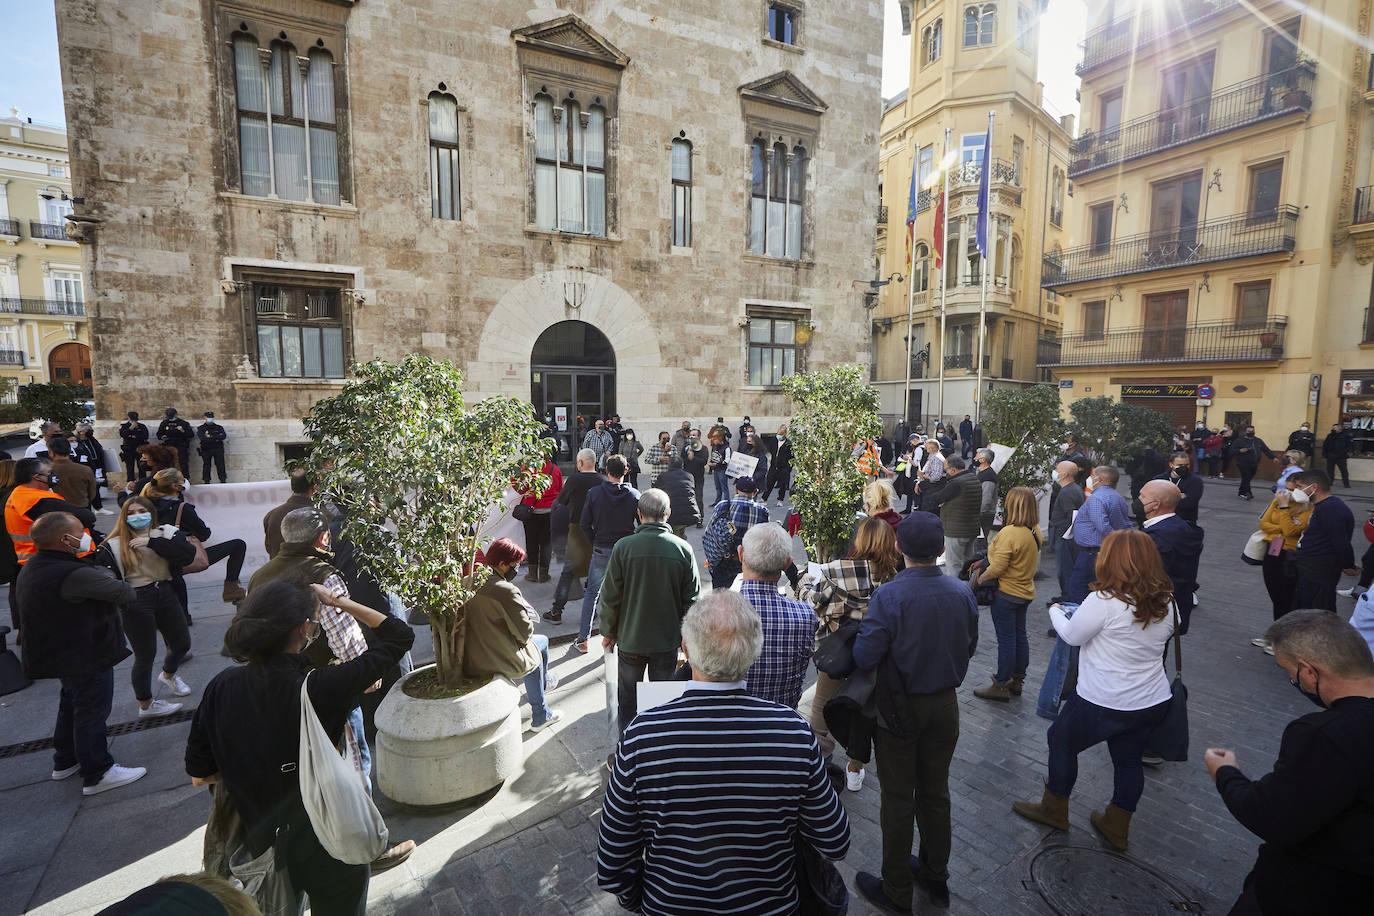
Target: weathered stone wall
[144,97]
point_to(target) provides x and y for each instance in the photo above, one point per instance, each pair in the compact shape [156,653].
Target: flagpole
[910,295]
[983,298]
[944,242]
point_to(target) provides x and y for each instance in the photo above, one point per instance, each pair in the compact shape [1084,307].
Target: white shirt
[1121,665]
[1150,522]
[32,451]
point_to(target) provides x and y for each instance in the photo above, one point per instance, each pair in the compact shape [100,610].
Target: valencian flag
[982,231]
[911,215]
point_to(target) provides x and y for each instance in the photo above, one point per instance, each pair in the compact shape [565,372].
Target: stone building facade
[651,208]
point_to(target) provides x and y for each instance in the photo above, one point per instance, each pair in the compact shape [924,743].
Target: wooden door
[1165,334]
[71,363]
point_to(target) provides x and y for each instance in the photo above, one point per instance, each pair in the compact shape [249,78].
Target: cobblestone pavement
[530,846]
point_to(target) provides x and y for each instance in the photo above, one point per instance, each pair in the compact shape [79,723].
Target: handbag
[834,653]
[341,810]
[202,559]
[821,890]
[1170,737]
[1253,552]
[522,512]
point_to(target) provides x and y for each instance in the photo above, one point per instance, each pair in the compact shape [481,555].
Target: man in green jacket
[651,581]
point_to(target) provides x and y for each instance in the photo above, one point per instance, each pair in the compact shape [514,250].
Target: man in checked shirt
[789,627]
[305,555]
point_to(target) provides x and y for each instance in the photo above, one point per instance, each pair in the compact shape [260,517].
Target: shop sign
[1159,391]
[1351,387]
[1066,383]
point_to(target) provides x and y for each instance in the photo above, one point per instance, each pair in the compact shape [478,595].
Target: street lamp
[879,284]
[53,192]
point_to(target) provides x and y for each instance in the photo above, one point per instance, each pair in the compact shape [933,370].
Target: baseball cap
[747,485]
[921,534]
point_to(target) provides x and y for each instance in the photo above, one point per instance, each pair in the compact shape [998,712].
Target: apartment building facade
[43,328]
[1220,266]
[967,59]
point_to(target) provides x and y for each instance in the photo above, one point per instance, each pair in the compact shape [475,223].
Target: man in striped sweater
[673,839]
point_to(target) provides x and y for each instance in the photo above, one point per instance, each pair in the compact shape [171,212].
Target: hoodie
[609,513]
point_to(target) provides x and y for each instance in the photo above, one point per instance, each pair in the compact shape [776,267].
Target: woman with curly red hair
[1122,694]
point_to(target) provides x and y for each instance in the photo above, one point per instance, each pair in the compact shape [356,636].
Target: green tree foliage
[1026,419]
[1114,432]
[831,412]
[419,471]
[58,402]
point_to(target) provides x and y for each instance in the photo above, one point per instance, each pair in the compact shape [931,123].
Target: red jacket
[555,484]
[1369,530]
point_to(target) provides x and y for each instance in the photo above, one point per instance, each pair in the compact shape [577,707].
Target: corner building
[968,59]
[651,208]
[1223,227]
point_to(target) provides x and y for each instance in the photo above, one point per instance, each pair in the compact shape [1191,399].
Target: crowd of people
[890,628]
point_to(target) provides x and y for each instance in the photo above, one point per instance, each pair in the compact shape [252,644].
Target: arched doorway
[70,363]
[572,378]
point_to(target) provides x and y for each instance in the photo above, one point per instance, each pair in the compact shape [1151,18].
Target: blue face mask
[139,521]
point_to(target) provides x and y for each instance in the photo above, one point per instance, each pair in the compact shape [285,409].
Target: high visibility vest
[868,460]
[17,521]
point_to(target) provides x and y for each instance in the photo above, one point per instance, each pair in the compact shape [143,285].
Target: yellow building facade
[967,59]
[1223,228]
[43,327]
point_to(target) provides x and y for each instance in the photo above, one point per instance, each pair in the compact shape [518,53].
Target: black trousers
[1317,581]
[154,610]
[334,889]
[1280,580]
[782,479]
[1338,464]
[1247,473]
[130,460]
[218,458]
[537,542]
[630,671]
[183,450]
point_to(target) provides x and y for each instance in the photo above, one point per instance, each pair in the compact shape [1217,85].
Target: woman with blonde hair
[1122,693]
[1012,558]
[879,496]
[143,554]
[841,593]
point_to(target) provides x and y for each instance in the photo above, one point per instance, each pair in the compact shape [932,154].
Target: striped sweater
[705,803]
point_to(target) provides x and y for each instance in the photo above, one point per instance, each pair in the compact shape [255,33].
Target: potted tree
[420,471]
[832,411]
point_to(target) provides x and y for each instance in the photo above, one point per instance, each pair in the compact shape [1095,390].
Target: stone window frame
[588,92]
[980,13]
[801,346]
[682,191]
[247,277]
[797,13]
[792,138]
[453,148]
[304,35]
[932,41]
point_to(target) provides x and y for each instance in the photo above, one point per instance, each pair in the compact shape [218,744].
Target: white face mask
[1301,496]
[86,543]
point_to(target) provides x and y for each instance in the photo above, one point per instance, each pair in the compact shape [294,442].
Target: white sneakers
[103,512]
[174,683]
[1259,642]
[115,777]
[554,716]
[159,708]
[59,775]
[853,781]
[1353,591]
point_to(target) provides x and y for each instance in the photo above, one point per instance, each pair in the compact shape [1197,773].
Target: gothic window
[776,199]
[444,182]
[570,166]
[682,193]
[980,25]
[932,41]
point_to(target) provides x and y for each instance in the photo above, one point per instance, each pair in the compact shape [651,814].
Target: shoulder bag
[1255,547]
[341,810]
[820,888]
[202,560]
[1170,737]
[834,653]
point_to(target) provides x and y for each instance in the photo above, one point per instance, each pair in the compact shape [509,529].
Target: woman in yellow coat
[1282,523]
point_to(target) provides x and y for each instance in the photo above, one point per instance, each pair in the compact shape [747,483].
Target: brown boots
[233,592]
[1114,824]
[1014,685]
[994,691]
[1053,810]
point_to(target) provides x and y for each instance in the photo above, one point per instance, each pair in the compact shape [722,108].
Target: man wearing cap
[211,436]
[176,433]
[304,555]
[730,521]
[920,631]
[132,434]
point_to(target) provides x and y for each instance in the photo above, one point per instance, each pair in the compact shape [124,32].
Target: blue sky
[31,81]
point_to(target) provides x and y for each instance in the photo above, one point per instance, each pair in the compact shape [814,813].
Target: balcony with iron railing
[1116,39]
[1230,108]
[11,357]
[971,173]
[966,361]
[52,232]
[923,199]
[1201,243]
[1200,342]
[1364,205]
[882,216]
[9,227]
[62,307]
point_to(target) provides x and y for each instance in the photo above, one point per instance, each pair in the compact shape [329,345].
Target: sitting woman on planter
[499,633]
[248,726]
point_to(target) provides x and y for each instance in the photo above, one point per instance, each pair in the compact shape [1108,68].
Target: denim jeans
[596,571]
[560,591]
[1084,572]
[958,551]
[630,671]
[1082,724]
[355,720]
[1013,648]
[1065,553]
[79,735]
[155,609]
[1063,658]
[722,488]
[535,682]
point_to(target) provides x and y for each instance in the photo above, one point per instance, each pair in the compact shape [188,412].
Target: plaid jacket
[788,641]
[842,591]
[729,521]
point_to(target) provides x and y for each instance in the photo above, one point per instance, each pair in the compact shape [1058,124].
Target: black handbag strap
[1178,641]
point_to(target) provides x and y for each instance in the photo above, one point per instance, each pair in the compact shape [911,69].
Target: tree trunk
[448,640]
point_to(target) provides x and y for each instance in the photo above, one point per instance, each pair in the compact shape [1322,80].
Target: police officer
[211,436]
[177,433]
[132,434]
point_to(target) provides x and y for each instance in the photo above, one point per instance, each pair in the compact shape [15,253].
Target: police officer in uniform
[211,436]
[132,434]
[177,433]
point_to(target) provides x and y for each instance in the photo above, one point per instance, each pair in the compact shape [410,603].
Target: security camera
[46,196]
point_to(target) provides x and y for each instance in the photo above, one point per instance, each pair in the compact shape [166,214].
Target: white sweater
[1121,665]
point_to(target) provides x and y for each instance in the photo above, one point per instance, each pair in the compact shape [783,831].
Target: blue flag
[982,233]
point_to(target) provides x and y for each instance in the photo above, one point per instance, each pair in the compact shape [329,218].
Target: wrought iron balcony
[971,173]
[64,307]
[1364,204]
[53,232]
[882,216]
[923,199]
[1008,368]
[1260,99]
[1201,342]
[9,227]
[1116,39]
[966,361]
[1201,243]
[11,357]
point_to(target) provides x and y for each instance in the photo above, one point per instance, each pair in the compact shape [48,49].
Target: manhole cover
[1077,881]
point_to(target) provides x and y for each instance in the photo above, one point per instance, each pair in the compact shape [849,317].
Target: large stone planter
[435,752]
